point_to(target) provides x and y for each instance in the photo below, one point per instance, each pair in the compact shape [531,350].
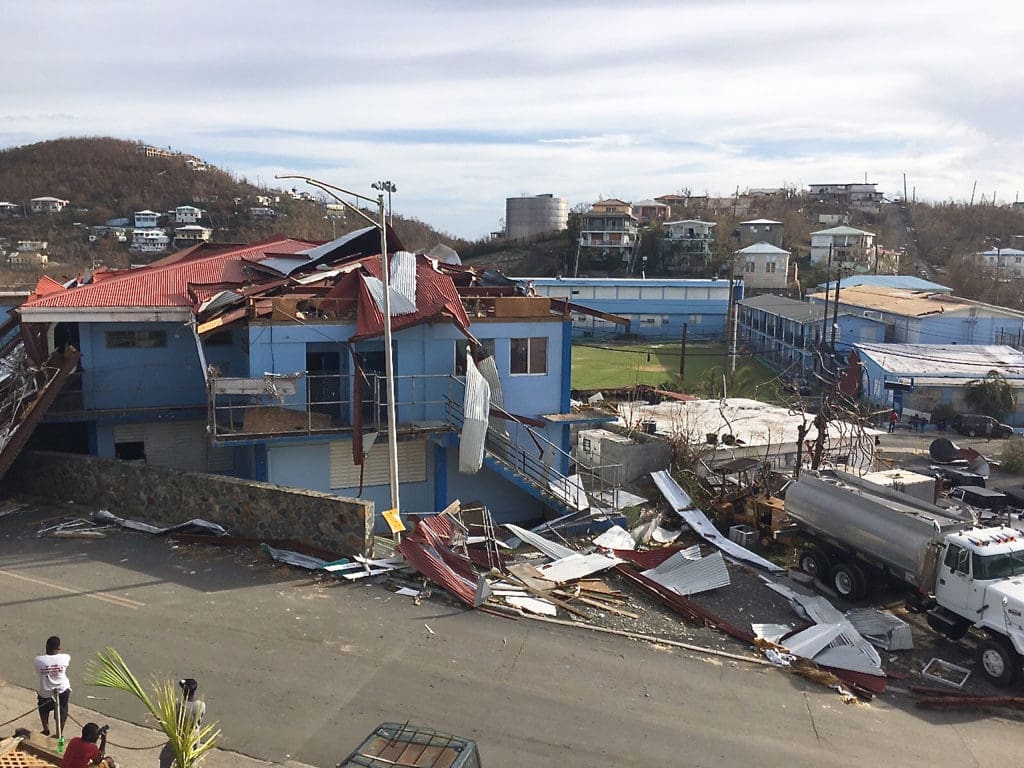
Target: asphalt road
[302,671]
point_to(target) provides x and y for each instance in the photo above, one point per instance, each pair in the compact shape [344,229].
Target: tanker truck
[965,577]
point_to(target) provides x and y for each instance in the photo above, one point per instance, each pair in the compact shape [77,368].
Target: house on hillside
[863,197]
[848,246]
[150,240]
[686,245]
[31,245]
[763,267]
[191,233]
[1005,262]
[146,219]
[608,234]
[761,231]
[47,204]
[195,164]
[262,213]
[187,214]
[10,210]
[27,259]
[650,211]
[267,362]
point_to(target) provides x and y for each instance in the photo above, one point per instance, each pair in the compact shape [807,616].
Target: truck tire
[814,562]
[848,580]
[998,661]
[972,433]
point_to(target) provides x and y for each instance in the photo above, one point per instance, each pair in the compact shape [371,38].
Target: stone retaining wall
[166,496]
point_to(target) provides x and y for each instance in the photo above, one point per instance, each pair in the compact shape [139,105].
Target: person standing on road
[893,418]
[194,708]
[988,431]
[53,687]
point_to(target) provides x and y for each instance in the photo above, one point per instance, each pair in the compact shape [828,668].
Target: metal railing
[528,453]
[304,403]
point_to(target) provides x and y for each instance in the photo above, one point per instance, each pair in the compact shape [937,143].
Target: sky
[464,104]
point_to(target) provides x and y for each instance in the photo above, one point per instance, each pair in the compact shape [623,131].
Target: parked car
[974,424]
[983,499]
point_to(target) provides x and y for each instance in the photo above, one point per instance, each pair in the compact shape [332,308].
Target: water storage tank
[529,216]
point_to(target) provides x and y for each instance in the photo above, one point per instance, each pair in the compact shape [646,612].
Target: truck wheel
[814,562]
[998,661]
[848,580]
[972,433]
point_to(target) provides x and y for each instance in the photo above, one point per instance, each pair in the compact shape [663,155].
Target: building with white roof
[923,376]
[734,428]
[849,246]
[1007,262]
[47,204]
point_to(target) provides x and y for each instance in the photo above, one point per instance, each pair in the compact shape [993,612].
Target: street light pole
[389,370]
[389,187]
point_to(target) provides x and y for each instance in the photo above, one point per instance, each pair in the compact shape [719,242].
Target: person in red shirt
[82,752]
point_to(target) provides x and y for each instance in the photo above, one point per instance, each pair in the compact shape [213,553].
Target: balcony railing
[305,404]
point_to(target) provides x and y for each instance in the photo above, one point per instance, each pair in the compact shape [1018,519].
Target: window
[749,267]
[460,353]
[528,356]
[696,319]
[136,339]
[769,267]
[958,559]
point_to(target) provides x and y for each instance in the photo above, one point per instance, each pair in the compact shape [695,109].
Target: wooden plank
[547,596]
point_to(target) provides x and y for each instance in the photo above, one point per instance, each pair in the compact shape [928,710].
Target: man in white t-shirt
[54,686]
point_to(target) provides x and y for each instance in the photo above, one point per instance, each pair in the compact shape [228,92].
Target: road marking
[123,602]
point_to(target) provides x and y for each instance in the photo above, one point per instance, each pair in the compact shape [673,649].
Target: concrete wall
[164,496]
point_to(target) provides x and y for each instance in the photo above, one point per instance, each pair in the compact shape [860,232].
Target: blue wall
[140,377]
[657,308]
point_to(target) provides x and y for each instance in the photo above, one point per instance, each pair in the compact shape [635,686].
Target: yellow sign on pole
[393,520]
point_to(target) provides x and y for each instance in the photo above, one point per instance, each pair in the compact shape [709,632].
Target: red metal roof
[166,285]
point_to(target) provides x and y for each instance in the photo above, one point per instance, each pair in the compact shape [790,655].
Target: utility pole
[905,189]
[824,325]
[682,355]
[973,190]
[835,321]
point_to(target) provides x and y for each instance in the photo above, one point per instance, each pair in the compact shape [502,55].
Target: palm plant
[188,741]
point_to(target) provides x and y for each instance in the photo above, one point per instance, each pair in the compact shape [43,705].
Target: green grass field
[597,365]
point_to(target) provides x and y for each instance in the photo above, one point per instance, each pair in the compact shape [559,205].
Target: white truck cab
[981,578]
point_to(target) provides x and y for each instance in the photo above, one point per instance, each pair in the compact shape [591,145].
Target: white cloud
[465,105]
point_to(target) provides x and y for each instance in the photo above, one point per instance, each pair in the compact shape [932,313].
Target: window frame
[133,337]
[529,358]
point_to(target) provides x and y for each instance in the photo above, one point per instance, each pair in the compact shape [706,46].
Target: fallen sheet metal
[848,649]
[577,566]
[773,633]
[476,407]
[663,535]
[685,576]
[882,629]
[696,519]
[552,549]
[813,640]
[570,490]
[297,559]
[615,537]
[189,526]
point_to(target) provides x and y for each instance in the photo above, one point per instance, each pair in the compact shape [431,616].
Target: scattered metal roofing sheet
[402,271]
[689,577]
[882,629]
[570,490]
[813,640]
[552,549]
[615,537]
[773,633]
[400,305]
[684,507]
[577,566]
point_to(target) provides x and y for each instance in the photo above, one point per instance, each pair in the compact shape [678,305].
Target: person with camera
[83,752]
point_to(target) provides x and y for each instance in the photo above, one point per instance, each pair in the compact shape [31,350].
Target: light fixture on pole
[386,186]
[389,371]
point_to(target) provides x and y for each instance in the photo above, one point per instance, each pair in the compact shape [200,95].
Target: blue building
[795,336]
[930,375]
[266,362]
[925,317]
[657,308]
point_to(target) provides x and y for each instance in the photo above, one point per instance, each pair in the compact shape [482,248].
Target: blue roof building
[657,308]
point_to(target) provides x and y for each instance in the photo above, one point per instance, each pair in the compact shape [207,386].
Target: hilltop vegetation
[105,178]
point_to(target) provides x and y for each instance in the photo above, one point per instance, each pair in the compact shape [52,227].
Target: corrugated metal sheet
[690,577]
[577,566]
[882,629]
[552,549]
[400,305]
[684,507]
[615,537]
[165,286]
[402,271]
[429,562]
